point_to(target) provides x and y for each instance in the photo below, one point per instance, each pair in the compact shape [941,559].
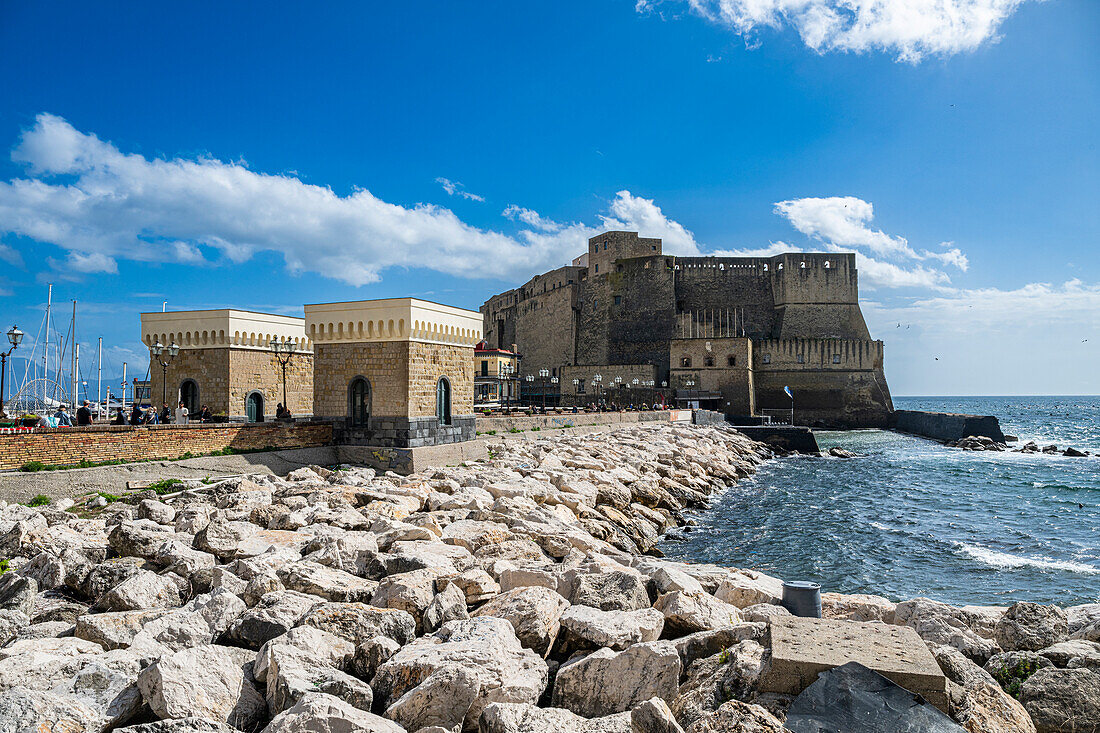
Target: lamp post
[530,379]
[164,355]
[597,382]
[554,381]
[543,374]
[15,336]
[506,369]
[284,350]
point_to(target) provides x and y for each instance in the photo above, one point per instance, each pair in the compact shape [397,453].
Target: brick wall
[68,446]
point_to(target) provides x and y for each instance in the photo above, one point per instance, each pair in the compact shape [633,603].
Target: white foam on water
[1004,560]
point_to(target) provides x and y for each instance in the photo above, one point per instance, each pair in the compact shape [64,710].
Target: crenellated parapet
[392,319]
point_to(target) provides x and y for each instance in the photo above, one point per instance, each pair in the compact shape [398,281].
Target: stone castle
[728,333]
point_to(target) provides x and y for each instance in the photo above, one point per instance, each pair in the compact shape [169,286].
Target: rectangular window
[597,267]
[731,360]
[766,358]
[801,359]
[485,368]
[618,300]
[836,358]
[708,361]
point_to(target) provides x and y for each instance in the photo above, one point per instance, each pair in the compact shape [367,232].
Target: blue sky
[262,156]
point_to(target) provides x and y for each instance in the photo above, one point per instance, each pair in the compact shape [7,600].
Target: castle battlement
[624,301]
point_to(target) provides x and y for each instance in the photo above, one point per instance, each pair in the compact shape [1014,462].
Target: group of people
[139,415]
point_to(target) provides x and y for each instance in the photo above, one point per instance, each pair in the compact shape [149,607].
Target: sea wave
[996,559]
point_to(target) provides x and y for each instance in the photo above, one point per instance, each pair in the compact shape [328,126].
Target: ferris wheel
[38,397]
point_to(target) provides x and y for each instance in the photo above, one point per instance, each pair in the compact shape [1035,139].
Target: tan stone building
[225,361]
[394,372]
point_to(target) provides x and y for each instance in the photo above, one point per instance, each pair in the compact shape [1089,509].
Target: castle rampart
[625,302]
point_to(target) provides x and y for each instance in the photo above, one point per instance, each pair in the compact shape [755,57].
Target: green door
[254,407]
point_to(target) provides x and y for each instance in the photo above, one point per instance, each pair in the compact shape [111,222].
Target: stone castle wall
[384,364]
[226,376]
[639,301]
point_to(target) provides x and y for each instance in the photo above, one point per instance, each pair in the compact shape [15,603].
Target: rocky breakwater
[509,595]
[981,443]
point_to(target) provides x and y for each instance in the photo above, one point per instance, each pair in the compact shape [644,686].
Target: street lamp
[15,336]
[164,355]
[554,381]
[505,370]
[530,378]
[284,350]
[543,374]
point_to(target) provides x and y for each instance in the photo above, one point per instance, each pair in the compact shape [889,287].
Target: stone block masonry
[70,446]
[946,426]
[802,648]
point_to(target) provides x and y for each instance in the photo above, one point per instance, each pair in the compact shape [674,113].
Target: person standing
[181,414]
[165,414]
[84,414]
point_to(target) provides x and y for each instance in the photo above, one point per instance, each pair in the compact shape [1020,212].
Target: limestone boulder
[291,673]
[486,647]
[590,628]
[609,591]
[654,716]
[988,709]
[737,717]
[503,717]
[1074,653]
[667,579]
[703,644]
[182,559]
[442,699]
[108,686]
[939,624]
[321,713]
[447,605]
[207,681]
[686,613]
[534,612]
[608,681]
[732,674]
[857,607]
[142,590]
[328,583]
[358,622]
[411,592]
[473,535]
[1063,700]
[18,593]
[179,725]
[23,710]
[325,649]
[139,538]
[1084,621]
[476,584]
[10,624]
[275,614]
[743,588]
[372,654]
[1031,627]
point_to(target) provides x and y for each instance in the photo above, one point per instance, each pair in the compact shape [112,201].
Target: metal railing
[778,417]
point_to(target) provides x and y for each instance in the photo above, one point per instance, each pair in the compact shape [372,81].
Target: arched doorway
[254,407]
[443,401]
[189,395]
[359,403]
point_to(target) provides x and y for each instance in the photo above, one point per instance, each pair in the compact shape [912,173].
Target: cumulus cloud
[530,218]
[454,188]
[908,29]
[842,224]
[101,205]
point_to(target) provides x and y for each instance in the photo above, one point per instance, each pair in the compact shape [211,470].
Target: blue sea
[909,517]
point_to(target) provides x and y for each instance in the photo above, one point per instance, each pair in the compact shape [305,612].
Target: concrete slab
[802,648]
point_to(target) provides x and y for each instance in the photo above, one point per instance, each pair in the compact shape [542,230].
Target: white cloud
[908,29]
[454,188]
[530,218]
[842,224]
[101,205]
[633,213]
[84,264]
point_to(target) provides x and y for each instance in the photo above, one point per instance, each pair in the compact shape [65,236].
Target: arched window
[189,395]
[443,401]
[359,402]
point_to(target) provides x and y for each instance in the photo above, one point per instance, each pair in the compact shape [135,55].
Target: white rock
[487,647]
[535,614]
[686,613]
[207,681]
[744,588]
[607,681]
[320,713]
[592,628]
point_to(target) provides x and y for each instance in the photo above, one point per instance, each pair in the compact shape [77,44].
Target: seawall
[947,426]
